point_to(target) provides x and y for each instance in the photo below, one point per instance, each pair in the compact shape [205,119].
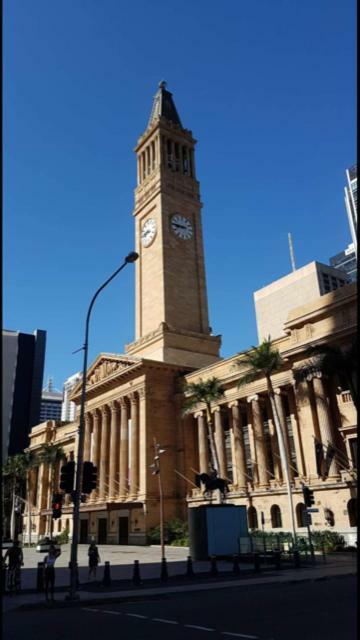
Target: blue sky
[268,89]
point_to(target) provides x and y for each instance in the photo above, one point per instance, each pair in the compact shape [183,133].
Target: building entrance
[123,530]
[83,531]
[102,531]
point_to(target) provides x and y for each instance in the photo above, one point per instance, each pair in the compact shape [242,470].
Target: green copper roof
[164,106]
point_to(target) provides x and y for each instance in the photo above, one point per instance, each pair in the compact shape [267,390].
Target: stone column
[296,431]
[113,453]
[259,440]
[143,460]
[307,426]
[239,447]
[220,443]
[124,453]
[134,462]
[325,421]
[96,449]
[274,442]
[105,428]
[87,437]
[203,443]
[282,417]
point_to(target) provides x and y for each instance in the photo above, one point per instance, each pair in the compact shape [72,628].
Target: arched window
[329,517]
[301,515]
[252,518]
[275,513]
[352,511]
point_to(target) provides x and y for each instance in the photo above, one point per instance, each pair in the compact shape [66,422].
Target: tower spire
[164,106]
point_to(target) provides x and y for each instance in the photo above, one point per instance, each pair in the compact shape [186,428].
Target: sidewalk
[334,567]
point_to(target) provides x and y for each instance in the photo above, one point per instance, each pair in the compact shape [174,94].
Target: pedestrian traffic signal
[308,496]
[89,477]
[56,505]
[67,476]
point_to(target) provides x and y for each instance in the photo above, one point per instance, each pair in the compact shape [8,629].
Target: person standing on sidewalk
[94,559]
[49,566]
[16,561]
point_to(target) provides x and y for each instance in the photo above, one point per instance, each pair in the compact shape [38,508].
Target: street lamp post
[76,512]
[157,471]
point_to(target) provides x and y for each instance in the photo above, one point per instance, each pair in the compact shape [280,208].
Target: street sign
[312,510]
[308,518]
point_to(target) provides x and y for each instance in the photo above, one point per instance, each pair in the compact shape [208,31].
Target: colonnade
[304,414]
[114,448]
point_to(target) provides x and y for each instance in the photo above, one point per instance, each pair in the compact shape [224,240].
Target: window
[275,513]
[352,512]
[228,451]
[329,517]
[267,438]
[301,515]
[353,451]
[247,446]
[252,518]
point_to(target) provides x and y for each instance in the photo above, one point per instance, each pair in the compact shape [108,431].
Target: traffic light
[89,477]
[308,496]
[56,505]
[67,476]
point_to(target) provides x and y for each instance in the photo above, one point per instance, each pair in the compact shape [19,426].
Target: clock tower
[172,323]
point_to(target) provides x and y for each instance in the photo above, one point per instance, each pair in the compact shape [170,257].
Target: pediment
[106,365]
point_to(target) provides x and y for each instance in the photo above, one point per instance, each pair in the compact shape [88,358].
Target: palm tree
[206,391]
[30,461]
[14,471]
[264,360]
[332,360]
[50,455]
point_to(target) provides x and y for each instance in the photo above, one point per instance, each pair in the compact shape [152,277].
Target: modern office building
[274,302]
[51,401]
[346,261]
[68,407]
[351,203]
[23,370]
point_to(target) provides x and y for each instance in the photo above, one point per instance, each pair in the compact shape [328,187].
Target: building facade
[135,400]
[351,203]
[346,261]
[274,302]
[23,369]
[51,403]
[68,407]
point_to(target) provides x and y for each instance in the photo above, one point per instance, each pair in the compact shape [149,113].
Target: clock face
[148,232]
[181,226]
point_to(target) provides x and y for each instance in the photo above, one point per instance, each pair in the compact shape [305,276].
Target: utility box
[217,530]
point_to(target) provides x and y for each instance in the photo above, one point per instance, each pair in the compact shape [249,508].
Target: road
[318,610]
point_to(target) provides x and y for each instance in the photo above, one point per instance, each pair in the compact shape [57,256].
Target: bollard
[77,575]
[296,556]
[256,557]
[323,552]
[136,573]
[312,554]
[213,566]
[4,567]
[236,566]
[107,578]
[277,559]
[163,572]
[189,568]
[40,577]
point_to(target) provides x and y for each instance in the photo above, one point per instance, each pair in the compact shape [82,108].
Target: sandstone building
[135,397]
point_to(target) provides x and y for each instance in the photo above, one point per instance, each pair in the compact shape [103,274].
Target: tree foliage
[261,361]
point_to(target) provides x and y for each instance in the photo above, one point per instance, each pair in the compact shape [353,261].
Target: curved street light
[132,257]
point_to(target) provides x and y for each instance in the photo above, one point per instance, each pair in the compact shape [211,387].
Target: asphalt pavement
[311,610]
